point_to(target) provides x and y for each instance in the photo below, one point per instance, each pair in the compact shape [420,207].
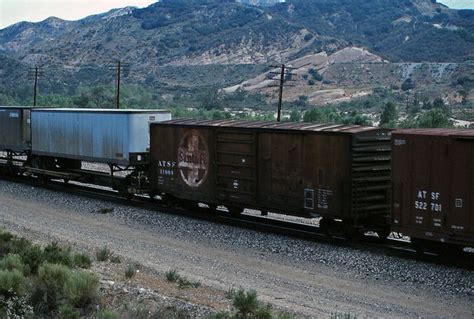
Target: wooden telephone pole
[35,73]
[118,68]
[283,78]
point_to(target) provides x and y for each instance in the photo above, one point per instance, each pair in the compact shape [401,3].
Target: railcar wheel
[188,204]
[328,226]
[212,207]
[384,233]
[233,210]
[352,233]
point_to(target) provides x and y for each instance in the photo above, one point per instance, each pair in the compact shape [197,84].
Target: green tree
[302,101]
[434,118]
[438,103]
[315,115]
[98,96]
[408,84]
[389,115]
[315,75]
[81,100]
[295,116]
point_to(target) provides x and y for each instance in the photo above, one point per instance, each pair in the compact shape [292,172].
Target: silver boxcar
[14,128]
[105,135]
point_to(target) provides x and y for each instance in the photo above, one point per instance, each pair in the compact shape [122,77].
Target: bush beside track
[56,282]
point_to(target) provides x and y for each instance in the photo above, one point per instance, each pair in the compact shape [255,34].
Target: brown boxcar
[335,171]
[433,185]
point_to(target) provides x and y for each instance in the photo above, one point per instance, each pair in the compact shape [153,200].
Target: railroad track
[390,246]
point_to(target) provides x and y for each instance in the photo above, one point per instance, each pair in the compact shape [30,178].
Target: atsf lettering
[166,168]
[427,200]
[167,164]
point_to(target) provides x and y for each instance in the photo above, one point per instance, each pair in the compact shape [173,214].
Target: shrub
[82,260]
[264,312]
[15,307]
[408,84]
[54,254]
[115,259]
[246,303]
[50,285]
[184,283]
[315,75]
[13,262]
[131,271]
[81,289]
[343,316]
[105,210]
[5,236]
[171,312]
[229,294]
[32,257]
[67,311]
[103,254]
[107,314]
[221,315]
[17,245]
[172,275]
[285,315]
[11,282]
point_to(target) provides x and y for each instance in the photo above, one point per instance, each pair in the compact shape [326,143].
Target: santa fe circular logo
[193,158]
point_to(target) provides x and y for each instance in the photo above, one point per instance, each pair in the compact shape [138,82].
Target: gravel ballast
[313,279]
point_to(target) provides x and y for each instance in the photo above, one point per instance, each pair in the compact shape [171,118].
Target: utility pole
[35,73]
[117,89]
[118,68]
[280,93]
[283,73]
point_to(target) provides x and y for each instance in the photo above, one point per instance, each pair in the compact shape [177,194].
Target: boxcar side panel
[182,162]
[328,164]
[236,166]
[14,126]
[459,220]
[84,136]
[432,186]
[280,167]
[139,130]
[269,166]
[108,136]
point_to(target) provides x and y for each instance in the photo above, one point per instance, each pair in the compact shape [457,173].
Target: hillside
[180,46]
[355,73]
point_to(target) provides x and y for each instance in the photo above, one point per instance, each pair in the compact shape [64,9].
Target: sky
[12,11]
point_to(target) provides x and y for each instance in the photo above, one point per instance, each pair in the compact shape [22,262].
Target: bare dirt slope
[310,278]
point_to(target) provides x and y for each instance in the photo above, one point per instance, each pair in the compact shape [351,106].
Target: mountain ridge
[169,41]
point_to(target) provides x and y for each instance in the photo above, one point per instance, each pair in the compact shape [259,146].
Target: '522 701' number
[421,205]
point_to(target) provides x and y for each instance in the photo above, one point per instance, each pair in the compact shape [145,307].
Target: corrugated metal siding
[433,185]
[139,130]
[14,128]
[285,126]
[105,136]
[298,168]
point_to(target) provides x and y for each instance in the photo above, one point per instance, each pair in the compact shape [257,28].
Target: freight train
[416,182]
